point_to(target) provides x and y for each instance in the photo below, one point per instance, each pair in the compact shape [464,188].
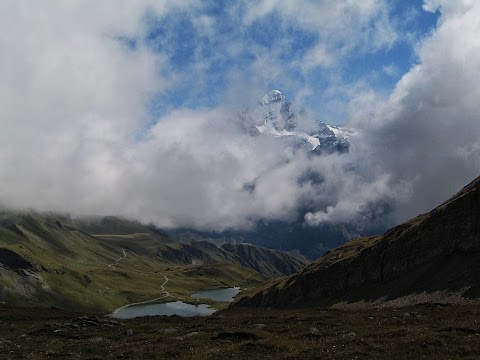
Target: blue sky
[212,50]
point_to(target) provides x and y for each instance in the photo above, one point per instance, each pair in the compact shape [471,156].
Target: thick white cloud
[426,133]
[75,134]
[71,99]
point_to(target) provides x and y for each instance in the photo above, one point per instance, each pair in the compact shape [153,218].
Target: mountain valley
[100,263]
[409,293]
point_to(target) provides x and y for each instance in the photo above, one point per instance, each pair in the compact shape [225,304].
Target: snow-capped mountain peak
[272,97]
[274,115]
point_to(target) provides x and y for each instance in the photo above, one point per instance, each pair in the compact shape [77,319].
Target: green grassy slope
[268,262]
[99,264]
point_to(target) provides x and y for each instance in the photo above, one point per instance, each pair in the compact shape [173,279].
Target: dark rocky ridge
[272,263]
[436,251]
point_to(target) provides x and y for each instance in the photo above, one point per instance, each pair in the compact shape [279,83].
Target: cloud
[72,96]
[318,56]
[390,70]
[100,111]
[447,7]
[426,133]
[203,163]
[358,25]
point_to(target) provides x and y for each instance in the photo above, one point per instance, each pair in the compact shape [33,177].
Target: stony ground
[420,332]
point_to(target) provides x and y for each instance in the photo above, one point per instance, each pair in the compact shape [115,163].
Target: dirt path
[162,288]
[119,259]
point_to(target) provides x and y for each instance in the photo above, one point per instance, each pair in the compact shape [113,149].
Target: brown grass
[426,331]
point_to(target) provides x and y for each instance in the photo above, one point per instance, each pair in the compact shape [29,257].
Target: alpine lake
[179,308]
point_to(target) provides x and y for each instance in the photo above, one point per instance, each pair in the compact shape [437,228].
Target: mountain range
[99,263]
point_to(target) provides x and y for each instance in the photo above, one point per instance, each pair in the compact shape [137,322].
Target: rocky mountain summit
[275,115]
[434,253]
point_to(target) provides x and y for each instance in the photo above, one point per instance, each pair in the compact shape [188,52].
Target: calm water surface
[177,307]
[167,309]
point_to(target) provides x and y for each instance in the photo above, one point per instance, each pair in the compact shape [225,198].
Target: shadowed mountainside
[310,242]
[435,252]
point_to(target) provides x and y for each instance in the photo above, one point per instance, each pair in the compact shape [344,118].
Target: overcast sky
[127,107]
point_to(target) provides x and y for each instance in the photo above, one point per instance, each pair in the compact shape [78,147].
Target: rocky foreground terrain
[431,331]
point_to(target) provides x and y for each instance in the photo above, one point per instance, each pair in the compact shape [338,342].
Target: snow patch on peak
[345,133]
[272,97]
[268,129]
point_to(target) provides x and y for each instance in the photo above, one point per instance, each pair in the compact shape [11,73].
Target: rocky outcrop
[11,260]
[437,251]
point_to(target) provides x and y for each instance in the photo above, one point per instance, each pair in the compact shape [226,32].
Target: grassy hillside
[268,262]
[99,264]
